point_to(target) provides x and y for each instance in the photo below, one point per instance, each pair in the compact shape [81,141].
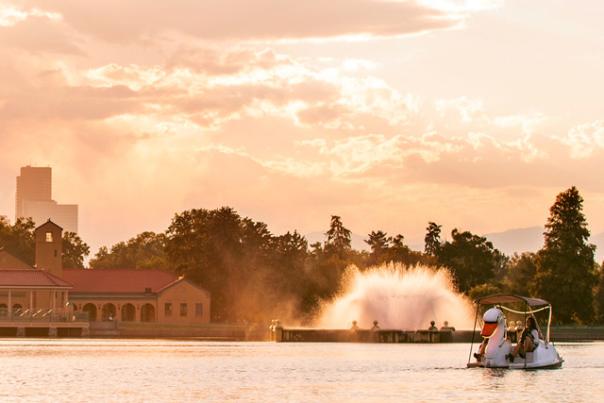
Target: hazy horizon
[473,114]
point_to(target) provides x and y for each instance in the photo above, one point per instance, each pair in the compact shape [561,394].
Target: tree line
[255,275]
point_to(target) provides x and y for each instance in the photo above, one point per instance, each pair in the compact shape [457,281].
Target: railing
[42,315]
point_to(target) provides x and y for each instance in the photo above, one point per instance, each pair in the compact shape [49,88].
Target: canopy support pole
[473,333]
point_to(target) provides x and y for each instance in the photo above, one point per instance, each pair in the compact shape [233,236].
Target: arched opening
[148,313]
[108,312]
[90,309]
[128,313]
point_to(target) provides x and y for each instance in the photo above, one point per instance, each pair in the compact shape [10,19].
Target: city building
[34,199]
[102,295]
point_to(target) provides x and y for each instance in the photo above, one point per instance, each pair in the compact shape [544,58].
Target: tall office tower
[34,184]
[34,199]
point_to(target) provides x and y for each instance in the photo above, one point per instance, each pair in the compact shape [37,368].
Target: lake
[87,370]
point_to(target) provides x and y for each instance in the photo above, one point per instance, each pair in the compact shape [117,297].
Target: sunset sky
[473,114]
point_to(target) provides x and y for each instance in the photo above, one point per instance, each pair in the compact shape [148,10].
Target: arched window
[148,313]
[108,312]
[128,313]
[90,309]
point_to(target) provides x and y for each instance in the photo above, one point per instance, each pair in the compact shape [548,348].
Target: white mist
[398,298]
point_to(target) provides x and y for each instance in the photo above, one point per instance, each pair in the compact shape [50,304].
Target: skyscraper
[34,199]
[34,184]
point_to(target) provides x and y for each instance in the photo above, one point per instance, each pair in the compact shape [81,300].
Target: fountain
[398,297]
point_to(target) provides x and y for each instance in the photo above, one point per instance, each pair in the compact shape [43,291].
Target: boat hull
[544,357]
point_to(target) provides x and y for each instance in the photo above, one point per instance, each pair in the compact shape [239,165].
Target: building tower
[49,248]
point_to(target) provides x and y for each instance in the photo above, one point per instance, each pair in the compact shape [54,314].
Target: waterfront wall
[577,333]
[205,331]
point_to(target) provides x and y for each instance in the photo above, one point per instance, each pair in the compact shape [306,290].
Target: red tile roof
[117,281]
[30,278]
[8,261]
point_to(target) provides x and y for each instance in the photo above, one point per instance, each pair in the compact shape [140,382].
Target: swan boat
[496,334]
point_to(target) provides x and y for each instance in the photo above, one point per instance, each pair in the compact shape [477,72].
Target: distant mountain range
[531,240]
[512,241]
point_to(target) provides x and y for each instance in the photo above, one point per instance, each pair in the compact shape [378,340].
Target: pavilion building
[94,295]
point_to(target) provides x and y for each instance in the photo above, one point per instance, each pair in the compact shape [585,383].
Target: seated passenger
[529,340]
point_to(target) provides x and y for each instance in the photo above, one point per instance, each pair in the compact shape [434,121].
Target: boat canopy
[507,299]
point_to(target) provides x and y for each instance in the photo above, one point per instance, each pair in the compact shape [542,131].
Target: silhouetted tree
[379,242]
[520,273]
[338,238]
[599,295]
[74,251]
[482,290]
[400,253]
[565,265]
[18,239]
[432,239]
[144,251]
[472,259]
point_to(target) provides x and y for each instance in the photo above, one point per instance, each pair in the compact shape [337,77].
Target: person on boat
[529,340]
[481,349]
[433,327]
[375,326]
[354,326]
[511,332]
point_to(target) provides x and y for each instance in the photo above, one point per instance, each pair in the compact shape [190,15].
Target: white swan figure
[497,347]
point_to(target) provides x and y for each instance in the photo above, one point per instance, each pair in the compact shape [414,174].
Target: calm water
[180,371]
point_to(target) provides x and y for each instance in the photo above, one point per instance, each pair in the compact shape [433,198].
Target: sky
[473,114]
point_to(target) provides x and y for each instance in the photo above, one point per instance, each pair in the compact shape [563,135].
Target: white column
[31,299]
[10,304]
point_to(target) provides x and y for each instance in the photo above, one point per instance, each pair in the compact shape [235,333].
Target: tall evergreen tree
[379,242]
[338,237]
[432,239]
[565,265]
[599,295]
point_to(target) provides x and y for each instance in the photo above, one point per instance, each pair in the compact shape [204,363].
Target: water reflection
[180,371]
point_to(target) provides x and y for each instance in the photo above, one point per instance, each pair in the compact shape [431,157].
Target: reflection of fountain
[399,298]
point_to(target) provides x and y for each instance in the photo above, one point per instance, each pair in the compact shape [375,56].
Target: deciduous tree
[471,258]
[74,251]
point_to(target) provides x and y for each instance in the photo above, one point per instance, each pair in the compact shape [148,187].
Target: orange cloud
[162,113]
[117,21]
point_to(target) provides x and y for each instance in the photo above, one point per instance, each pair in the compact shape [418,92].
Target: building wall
[139,304]
[196,300]
[189,295]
